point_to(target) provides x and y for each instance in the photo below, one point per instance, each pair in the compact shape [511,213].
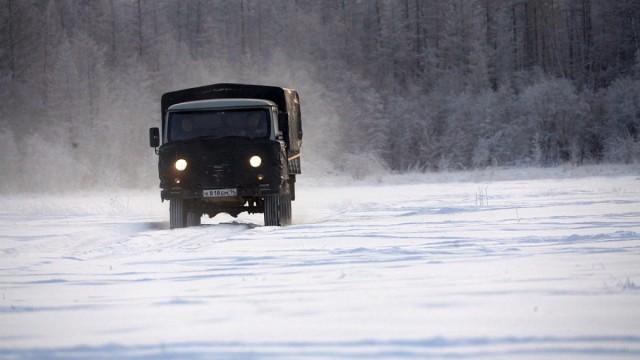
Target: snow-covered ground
[409,267]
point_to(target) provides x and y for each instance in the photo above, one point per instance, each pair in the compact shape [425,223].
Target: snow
[400,266]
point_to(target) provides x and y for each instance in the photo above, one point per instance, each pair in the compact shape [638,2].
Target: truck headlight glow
[255,161]
[181,164]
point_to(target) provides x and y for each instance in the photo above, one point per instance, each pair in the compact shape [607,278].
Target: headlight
[181,164]
[255,161]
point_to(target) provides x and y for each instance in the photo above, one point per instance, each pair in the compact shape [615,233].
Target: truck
[228,148]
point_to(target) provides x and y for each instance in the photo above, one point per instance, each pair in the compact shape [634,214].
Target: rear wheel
[292,186]
[193,218]
[285,209]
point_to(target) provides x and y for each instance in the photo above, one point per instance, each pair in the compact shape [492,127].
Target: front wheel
[180,215]
[277,209]
[272,210]
[177,214]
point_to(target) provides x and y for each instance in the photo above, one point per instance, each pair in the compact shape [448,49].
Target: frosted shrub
[481,155]
[622,149]
[622,123]
[552,117]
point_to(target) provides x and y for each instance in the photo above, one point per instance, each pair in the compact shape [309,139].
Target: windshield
[252,123]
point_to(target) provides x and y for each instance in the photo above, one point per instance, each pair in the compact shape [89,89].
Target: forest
[385,85]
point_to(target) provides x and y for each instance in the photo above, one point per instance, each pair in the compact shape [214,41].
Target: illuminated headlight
[181,164]
[255,161]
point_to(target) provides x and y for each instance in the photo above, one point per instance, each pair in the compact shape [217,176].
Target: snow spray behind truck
[229,148]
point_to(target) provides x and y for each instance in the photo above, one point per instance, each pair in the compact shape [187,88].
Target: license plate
[220,193]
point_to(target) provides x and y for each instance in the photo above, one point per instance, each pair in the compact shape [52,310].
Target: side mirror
[154,137]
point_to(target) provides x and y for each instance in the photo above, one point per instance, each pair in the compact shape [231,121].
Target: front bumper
[196,193]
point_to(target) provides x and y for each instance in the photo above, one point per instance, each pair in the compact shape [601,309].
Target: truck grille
[219,174]
[218,169]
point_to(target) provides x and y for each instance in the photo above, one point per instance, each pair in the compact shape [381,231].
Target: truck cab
[228,148]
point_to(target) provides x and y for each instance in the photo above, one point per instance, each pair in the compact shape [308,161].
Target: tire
[193,218]
[272,212]
[285,209]
[177,214]
[277,207]
[292,187]
[277,210]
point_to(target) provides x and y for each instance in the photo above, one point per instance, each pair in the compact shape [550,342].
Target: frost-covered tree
[622,124]
[553,113]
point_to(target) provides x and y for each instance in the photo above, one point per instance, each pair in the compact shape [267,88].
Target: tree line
[385,84]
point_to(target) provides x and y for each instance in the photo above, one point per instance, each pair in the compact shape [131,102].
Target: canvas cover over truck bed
[287,100]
